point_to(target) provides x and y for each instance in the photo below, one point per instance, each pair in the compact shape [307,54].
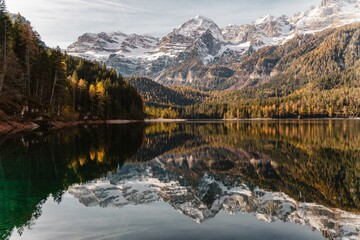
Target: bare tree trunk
[28,66]
[58,107]
[41,92]
[24,83]
[5,44]
[37,89]
[2,75]
[74,95]
[2,78]
[53,88]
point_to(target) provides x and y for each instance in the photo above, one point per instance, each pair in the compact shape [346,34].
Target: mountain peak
[199,21]
[197,26]
[203,18]
[264,19]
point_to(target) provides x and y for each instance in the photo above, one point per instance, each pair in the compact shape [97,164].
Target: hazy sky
[60,22]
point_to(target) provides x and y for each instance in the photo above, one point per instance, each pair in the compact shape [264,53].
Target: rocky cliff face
[183,57]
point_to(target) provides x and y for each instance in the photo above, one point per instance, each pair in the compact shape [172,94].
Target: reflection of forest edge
[36,166]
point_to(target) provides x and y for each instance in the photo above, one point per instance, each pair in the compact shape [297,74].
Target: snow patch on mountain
[197,26]
[330,13]
[202,39]
[100,46]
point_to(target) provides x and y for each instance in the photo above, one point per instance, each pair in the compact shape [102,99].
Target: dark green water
[240,180]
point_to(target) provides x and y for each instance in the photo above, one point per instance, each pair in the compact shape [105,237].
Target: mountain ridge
[201,42]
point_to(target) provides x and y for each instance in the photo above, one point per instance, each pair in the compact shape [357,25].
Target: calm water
[241,180]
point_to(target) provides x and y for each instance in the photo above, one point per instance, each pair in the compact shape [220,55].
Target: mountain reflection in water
[304,172]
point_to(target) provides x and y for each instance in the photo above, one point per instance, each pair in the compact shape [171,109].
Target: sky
[61,22]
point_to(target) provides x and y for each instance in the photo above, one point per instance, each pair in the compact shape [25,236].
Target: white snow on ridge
[328,14]
[197,26]
[265,31]
[242,47]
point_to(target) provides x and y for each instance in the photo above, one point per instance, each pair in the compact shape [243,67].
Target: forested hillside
[311,76]
[159,95]
[325,60]
[315,75]
[37,81]
[166,101]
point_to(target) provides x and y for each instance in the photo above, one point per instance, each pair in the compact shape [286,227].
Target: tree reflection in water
[34,167]
[310,161]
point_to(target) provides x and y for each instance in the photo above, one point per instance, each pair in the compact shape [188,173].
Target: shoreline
[13,127]
[160,120]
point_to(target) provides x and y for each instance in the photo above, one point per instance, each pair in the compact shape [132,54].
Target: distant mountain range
[201,54]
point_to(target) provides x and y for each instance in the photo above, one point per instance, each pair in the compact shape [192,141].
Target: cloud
[62,21]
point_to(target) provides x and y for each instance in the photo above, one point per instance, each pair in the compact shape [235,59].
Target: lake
[190,180]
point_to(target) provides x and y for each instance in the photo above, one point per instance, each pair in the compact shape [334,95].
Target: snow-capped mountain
[100,45]
[268,30]
[204,197]
[330,13]
[183,37]
[200,42]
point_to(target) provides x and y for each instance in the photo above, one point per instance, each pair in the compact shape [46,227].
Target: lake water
[194,180]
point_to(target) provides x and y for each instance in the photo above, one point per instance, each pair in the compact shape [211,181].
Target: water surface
[242,180]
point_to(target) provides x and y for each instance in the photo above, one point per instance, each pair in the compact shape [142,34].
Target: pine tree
[33,79]
[4,28]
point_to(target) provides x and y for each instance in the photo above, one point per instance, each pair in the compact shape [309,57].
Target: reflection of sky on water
[154,221]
